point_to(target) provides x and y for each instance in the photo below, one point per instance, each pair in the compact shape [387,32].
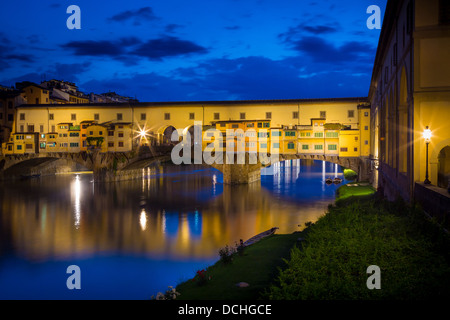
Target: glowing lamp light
[427,137]
[142,133]
[427,134]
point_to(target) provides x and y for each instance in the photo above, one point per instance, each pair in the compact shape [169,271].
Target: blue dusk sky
[197,50]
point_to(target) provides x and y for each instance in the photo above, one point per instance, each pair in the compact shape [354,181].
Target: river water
[135,238]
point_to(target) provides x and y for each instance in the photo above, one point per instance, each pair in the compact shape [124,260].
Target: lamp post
[427,137]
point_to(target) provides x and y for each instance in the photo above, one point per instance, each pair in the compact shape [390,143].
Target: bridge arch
[164,134]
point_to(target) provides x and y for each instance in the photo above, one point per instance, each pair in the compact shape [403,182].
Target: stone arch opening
[443,172]
[403,123]
[165,135]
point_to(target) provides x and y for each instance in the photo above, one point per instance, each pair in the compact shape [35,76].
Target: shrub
[226,254]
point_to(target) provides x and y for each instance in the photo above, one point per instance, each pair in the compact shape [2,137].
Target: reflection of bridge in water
[130,165]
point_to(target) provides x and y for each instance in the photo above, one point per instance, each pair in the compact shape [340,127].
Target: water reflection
[176,213]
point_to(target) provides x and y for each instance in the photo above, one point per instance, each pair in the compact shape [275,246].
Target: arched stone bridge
[128,165]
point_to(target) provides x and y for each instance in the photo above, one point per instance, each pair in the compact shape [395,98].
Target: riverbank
[331,261]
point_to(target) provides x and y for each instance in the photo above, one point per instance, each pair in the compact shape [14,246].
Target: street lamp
[427,137]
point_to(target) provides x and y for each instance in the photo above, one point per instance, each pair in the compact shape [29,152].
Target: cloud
[319,29]
[122,49]
[138,15]
[167,47]
[95,48]
[171,28]
[322,51]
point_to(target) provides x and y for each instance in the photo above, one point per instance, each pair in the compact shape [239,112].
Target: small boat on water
[329,181]
[337,180]
[259,236]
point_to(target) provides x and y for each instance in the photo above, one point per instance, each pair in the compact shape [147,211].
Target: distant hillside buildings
[47,92]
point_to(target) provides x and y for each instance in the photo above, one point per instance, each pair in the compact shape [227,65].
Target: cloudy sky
[173,50]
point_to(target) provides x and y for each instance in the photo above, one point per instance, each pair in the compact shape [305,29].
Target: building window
[216,116]
[355,149]
[366,142]
[73,117]
[110,133]
[323,114]
[242,116]
[318,134]
[74,144]
[295,115]
[268,115]
[305,146]
[356,138]
[166,116]
[276,133]
[366,114]
[110,144]
[318,147]
[96,116]
[263,145]
[41,128]
[366,127]
[22,116]
[344,149]
[120,134]
[31,128]
[10,117]
[19,147]
[291,145]
[332,147]
[191,116]
[121,144]
[332,134]
[53,128]
[51,116]
[10,105]
[21,128]
[119,116]
[351,113]
[143,116]
[37,100]
[276,145]
[100,133]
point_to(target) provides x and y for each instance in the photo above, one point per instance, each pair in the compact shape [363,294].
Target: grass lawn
[412,253]
[354,189]
[258,266]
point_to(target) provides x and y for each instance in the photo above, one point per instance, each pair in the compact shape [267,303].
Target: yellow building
[119,138]
[349,143]
[96,137]
[35,94]
[410,91]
